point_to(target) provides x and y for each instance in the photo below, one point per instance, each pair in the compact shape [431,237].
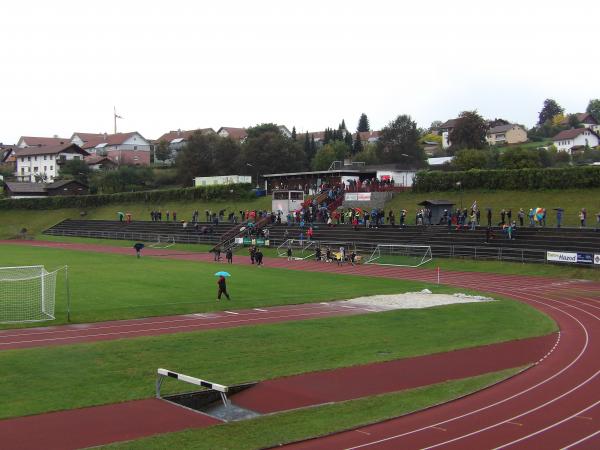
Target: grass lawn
[107,287]
[106,372]
[11,221]
[270,431]
[572,200]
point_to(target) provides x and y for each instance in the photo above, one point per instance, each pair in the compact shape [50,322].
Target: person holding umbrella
[138,246]
[222,284]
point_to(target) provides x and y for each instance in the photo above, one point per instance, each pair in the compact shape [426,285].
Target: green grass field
[106,286]
[572,200]
[274,430]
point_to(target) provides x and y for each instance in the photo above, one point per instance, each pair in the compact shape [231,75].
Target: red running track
[556,404]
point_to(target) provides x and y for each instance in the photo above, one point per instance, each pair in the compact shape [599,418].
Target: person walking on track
[222,288]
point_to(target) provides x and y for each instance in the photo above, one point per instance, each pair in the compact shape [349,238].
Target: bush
[521,179]
[223,192]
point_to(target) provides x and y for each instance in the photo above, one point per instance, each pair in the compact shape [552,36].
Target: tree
[573,121]
[549,110]
[368,155]
[435,125]
[342,125]
[470,158]
[257,130]
[593,108]
[76,169]
[205,155]
[125,178]
[469,131]
[363,123]
[358,146]
[335,151]
[497,122]
[520,158]
[269,151]
[162,152]
[348,140]
[399,142]
[294,133]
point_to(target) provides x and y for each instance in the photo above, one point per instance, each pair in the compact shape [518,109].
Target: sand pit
[414,300]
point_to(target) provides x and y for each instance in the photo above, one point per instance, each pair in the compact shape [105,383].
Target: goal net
[300,249]
[27,294]
[163,242]
[400,255]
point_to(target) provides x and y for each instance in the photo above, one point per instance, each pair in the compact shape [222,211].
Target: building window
[35,169]
[22,170]
[45,157]
[135,147]
[45,168]
[29,158]
[51,167]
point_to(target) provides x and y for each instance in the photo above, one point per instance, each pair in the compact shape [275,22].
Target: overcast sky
[174,64]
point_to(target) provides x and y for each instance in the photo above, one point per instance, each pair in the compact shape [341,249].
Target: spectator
[598,221]
[521,216]
[489,217]
[531,215]
[229,256]
[583,217]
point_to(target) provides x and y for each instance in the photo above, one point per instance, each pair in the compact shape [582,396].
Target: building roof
[183,134]
[33,141]
[235,133]
[501,128]
[582,118]
[572,134]
[29,188]
[436,203]
[50,150]
[91,140]
[97,159]
[449,123]
[367,135]
[317,172]
[6,151]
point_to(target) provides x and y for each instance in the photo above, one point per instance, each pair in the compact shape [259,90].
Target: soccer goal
[400,255]
[300,249]
[163,242]
[27,294]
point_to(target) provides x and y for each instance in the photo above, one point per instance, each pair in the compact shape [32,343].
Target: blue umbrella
[222,274]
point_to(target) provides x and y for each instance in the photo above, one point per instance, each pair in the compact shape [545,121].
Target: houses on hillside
[176,139]
[123,148]
[586,120]
[576,138]
[42,164]
[506,134]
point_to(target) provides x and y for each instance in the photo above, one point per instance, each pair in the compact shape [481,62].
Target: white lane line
[583,439]
[258,309]
[232,312]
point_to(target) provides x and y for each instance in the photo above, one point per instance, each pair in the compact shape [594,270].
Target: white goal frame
[28,294]
[306,248]
[376,254]
[163,242]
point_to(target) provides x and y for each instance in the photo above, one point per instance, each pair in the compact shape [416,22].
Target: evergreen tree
[363,123]
[343,125]
[313,146]
[348,140]
[358,146]
[593,108]
[306,144]
[550,109]
[294,133]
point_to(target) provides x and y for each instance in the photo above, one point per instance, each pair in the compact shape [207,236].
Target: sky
[309,64]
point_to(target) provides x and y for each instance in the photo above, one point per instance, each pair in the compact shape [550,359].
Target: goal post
[400,255]
[301,249]
[27,294]
[163,242]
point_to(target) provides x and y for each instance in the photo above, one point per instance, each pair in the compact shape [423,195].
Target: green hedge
[520,179]
[224,192]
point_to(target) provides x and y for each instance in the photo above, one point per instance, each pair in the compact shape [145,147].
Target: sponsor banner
[364,197]
[565,257]
[585,258]
[351,197]
[597,258]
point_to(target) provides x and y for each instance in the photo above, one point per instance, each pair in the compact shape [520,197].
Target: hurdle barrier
[162,373]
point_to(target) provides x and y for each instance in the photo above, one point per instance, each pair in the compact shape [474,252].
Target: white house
[37,141]
[237,134]
[42,164]
[567,140]
[445,129]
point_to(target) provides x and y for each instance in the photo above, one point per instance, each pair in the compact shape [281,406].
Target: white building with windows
[42,164]
[567,140]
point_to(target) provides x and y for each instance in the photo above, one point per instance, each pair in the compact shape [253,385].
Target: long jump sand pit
[413,300]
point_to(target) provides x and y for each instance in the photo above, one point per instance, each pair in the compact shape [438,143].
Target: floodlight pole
[68,294]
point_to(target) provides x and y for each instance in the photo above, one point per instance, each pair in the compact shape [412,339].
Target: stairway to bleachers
[529,245]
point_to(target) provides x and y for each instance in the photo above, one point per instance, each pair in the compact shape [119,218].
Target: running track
[554,405]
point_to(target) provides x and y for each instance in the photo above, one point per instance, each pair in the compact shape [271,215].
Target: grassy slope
[270,431]
[106,372]
[572,200]
[12,221]
[105,286]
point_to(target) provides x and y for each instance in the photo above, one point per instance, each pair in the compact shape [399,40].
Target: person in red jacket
[222,288]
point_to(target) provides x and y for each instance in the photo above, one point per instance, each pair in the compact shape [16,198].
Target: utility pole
[115,117]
